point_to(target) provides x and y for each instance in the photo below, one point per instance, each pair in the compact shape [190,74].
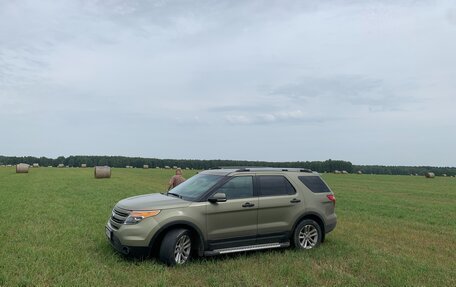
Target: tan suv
[223,211]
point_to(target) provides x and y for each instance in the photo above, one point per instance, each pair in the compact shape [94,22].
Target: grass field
[392,231]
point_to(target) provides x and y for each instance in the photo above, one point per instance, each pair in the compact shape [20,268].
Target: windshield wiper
[175,194]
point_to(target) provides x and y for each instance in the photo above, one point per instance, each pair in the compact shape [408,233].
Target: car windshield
[196,186]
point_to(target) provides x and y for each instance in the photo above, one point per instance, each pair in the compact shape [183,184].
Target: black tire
[307,234]
[169,247]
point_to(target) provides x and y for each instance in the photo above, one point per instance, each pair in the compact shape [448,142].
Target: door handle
[295,200]
[248,204]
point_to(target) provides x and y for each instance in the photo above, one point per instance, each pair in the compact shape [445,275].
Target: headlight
[137,216]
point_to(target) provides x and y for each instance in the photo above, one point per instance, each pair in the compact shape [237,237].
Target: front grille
[118,217]
[117,220]
[120,213]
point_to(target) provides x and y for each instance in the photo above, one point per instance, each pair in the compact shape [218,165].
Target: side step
[246,248]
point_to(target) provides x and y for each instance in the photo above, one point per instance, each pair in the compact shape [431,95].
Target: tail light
[332,198]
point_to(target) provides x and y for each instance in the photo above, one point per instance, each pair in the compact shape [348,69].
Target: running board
[246,248]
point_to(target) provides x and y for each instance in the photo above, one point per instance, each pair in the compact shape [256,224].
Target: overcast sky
[372,82]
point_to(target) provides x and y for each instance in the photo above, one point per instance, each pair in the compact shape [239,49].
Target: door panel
[228,220]
[276,214]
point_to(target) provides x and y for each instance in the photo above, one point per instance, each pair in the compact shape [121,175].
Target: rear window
[314,183]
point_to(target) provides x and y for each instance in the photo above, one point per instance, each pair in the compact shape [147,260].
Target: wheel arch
[197,236]
[314,216]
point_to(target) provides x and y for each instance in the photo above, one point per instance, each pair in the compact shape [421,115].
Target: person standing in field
[176,179]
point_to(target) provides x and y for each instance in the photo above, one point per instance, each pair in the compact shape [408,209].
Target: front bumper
[133,251]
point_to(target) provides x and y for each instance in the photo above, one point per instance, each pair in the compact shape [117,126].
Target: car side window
[238,187]
[271,185]
[314,183]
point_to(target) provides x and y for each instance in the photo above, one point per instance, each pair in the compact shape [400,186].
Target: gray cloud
[356,90]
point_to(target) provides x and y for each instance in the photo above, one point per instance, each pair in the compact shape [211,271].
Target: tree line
[319,166]
[139,162]
[405,170]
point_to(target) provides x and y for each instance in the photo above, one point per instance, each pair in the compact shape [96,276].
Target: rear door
[234,222]
[279,202]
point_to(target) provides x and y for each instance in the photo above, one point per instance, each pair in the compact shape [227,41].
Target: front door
[234,222]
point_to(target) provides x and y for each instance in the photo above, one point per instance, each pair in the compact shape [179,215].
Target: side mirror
[218,197]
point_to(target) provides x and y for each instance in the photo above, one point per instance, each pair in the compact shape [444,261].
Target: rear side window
[275,185]
[314,183]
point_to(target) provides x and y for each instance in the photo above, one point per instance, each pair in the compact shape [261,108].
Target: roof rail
[273,169]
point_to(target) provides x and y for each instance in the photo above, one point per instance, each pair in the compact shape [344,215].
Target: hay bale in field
[360,172]
[22,168]
[167,167]
[337,171]
[175,167]
[429,175]
[345,172]
[146,166]
[61,165]
[102,172]
[187,168]
[83,165]
[444,175]
[36,165]
[9,165]
[157,167]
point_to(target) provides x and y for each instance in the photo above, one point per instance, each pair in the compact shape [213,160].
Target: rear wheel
[307,234]
[176,247]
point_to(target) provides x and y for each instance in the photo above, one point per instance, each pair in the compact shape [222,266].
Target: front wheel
[176,247]
[307,234]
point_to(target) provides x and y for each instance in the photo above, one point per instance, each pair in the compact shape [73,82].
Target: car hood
[151,202]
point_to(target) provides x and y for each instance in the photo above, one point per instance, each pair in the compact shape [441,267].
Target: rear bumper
[330,227]
[331,224]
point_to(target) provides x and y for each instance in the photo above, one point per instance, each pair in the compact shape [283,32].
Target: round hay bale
[36,165]
[360,172]
[83,165]
[102,172]
[444,175]
[61,165]
[167,167]
[429,175]
[345,172]
[337,171]
[145,166]
[22,168]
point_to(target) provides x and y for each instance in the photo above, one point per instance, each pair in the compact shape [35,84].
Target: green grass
[392,231]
